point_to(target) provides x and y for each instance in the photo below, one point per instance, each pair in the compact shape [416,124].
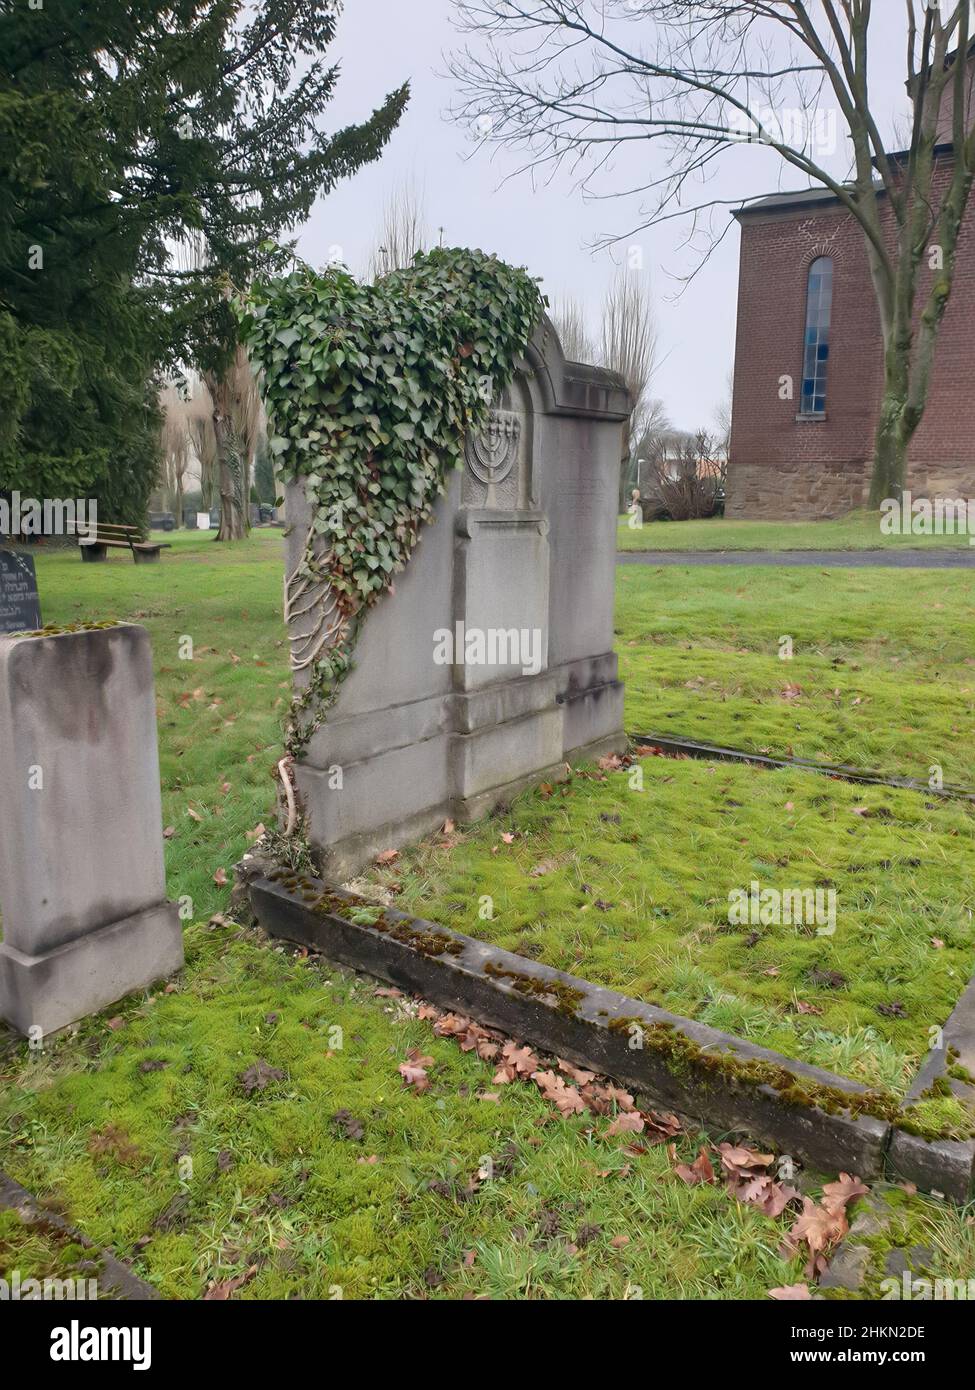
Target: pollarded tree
[236,425]
[127,126]
[578,81]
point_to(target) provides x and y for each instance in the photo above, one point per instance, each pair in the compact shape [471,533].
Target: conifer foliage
[127,127]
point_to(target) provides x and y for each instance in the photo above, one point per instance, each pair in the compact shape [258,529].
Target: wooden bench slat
[106,530]
[111,535]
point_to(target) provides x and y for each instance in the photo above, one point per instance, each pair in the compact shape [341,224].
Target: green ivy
[370,391]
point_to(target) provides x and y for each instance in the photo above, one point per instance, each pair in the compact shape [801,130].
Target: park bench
[106,537]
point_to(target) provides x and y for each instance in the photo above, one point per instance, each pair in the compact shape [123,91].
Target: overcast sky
[550,229]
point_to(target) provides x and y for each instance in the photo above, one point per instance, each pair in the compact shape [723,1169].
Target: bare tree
[722,416]
[204,443]
[569,318]
[629,347]
[656,428]
[576,81]
[176,446]
[403,233]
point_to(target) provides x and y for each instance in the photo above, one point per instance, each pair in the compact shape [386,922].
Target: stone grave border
[674,745]
[709,1077]
[114,1278]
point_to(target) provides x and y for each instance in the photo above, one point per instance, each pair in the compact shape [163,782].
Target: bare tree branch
[573,83]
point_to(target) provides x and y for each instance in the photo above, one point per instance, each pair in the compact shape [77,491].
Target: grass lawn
[335,1176]
[276,1195]
[858,530]
[629,889]
[882,674]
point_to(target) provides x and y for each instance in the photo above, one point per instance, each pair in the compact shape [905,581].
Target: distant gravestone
[20,607]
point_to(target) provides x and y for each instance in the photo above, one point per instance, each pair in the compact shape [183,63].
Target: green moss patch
[251,1125]
[918,1248]
[630,889]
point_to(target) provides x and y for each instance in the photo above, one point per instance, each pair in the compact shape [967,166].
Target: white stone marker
[82,881]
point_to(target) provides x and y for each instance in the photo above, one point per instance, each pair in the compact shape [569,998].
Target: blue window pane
[819,306]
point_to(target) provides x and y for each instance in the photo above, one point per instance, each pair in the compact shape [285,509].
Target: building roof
[813,197]
[806,197]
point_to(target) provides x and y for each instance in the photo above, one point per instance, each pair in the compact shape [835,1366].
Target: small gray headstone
[84,921]
[20,607]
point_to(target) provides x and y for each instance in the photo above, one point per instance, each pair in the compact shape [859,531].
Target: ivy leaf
[373,414]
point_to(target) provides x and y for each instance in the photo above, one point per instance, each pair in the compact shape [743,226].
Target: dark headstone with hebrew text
[20,607]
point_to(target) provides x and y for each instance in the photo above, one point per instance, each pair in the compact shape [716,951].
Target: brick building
[807,310]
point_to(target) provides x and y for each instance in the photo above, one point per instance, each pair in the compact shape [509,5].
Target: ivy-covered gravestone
[451,497]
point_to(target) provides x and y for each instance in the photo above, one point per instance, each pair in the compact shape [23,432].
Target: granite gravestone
[20,608]
[492,663]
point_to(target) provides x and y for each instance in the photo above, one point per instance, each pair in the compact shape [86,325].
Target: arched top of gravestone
[571,388]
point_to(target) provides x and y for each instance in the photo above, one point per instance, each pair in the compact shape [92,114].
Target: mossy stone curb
[705,1075]
[114,1278]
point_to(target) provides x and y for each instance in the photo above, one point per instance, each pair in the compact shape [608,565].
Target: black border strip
[688,747]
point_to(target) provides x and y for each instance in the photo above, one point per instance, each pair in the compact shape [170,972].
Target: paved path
[846,559]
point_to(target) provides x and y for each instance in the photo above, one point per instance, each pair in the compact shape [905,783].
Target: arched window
[815,359]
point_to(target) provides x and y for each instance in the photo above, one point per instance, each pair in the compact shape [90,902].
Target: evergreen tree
[126,127]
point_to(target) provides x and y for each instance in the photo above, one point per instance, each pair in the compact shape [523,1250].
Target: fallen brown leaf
[697,1172]
[627,1122]
[223,1288]
[414,1071]
[836,1195]
[553,1088]
[576,1074]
